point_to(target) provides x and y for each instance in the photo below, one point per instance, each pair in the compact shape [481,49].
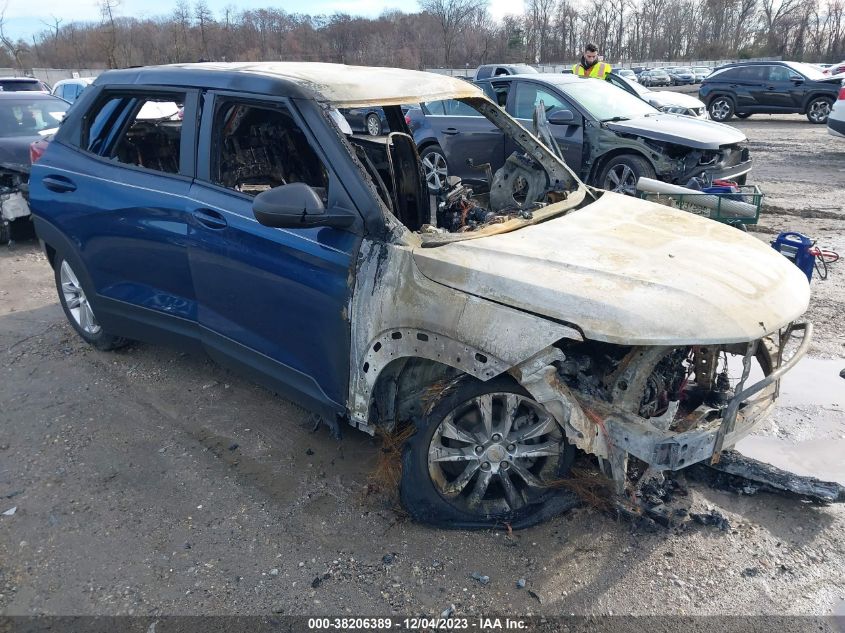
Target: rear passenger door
[464,134]
[271,301]
[122,201]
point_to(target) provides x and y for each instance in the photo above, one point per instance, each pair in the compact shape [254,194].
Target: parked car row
[537,317]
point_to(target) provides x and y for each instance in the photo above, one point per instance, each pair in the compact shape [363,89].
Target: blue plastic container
[796,247]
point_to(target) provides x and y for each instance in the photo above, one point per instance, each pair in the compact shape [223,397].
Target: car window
[20,86]
[497,92]
[29,117]
[528,95]
[257,148]
[435,108]
[777,73]
[604,101]
[448,107]
[752,73]
[145,131]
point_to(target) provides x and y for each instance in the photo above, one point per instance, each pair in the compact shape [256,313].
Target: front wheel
[373,125]
[78,310]
[819,109]
[621,173]
[721,109]
[486,454]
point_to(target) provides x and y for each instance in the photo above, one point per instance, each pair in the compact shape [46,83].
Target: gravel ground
[148,482]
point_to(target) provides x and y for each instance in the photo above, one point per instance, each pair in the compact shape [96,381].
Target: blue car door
[270,301]
[121,200]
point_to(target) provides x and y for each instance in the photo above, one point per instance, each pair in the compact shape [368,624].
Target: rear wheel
[621,173]
[819,109]
[486,454]
[78,309]
[435,167]
[373,125]
[721,108]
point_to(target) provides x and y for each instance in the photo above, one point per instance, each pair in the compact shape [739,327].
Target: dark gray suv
[748,88]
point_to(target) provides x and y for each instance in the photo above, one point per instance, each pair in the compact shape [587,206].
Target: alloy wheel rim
[435,168]
[621,179]
[720,109]
[373,126]
[495,453]
[819,110]
[76,301]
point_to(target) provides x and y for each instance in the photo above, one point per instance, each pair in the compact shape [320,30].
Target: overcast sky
[23,18]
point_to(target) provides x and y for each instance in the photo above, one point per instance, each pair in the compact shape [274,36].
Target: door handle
[211,219]
[451,131]
[59,184]
[770,88]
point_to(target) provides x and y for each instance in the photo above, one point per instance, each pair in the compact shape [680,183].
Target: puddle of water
[823,459]
[813,381]
[812,384]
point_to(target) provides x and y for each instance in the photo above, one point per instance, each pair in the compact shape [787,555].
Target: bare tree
[452,15]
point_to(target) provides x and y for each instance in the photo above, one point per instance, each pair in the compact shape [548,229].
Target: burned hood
[682,130]
[631,272]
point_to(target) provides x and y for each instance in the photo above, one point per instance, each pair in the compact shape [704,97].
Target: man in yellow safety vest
[590,66]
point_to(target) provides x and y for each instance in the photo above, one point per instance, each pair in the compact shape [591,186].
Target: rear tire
[435,167]
[459,471]
[721,108]
[818,110]
[78,310]
[373,125]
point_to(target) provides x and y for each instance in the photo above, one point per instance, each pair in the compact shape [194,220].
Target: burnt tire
[77,308]
[448,459]
[721,108]
[621,173]
[818,110]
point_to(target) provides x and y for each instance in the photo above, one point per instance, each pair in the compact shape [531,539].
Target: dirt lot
[150,482]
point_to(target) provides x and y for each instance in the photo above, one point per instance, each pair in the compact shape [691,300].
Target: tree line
[443,33]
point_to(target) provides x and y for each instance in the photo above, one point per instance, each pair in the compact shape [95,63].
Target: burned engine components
[517,184]
[457,211]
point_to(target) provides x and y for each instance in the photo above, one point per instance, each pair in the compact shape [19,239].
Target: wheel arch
[815,95]
[403,364]
[602,160]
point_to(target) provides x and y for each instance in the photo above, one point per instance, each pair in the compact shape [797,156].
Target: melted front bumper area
[613,432]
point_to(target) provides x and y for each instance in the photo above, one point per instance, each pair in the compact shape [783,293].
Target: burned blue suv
[230,209]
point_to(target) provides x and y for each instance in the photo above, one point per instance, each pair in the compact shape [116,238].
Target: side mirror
[797,80]
[296,205]
[562,117]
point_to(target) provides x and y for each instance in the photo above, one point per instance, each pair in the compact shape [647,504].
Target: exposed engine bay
[14,203]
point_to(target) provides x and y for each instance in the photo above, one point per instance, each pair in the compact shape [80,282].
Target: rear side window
[257,148]
[20,86]
[753,73]
[140,130]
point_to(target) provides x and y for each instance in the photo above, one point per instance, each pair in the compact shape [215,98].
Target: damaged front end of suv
[517,324]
